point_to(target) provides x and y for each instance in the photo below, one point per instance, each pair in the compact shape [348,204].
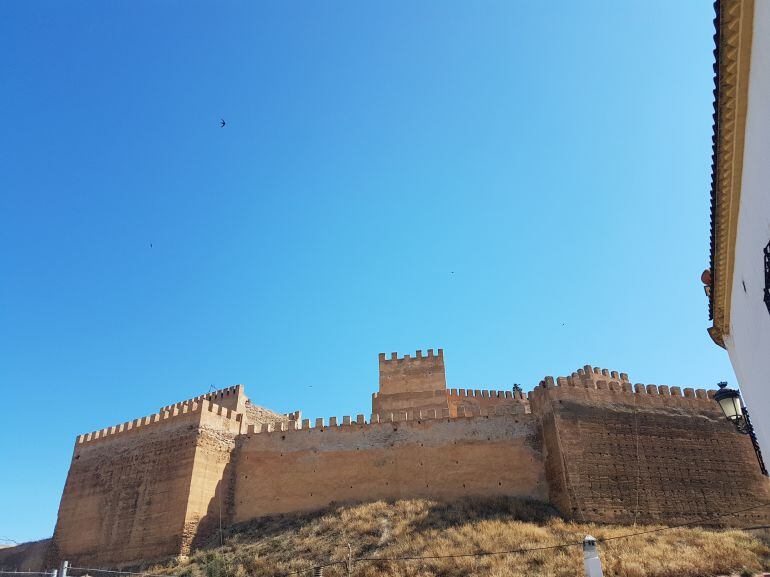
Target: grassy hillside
[420,528]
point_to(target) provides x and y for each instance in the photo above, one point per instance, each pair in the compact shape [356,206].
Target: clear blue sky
[524,184]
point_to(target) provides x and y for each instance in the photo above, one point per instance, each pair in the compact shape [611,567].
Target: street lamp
[729,400]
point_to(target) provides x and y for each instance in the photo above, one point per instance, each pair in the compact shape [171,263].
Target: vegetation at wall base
[422,528]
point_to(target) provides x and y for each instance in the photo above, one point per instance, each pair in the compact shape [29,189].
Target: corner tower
[411,383]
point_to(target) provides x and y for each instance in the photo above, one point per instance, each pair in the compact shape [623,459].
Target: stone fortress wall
[420,456]
[620,453]
[143,488]
[594,445]
[410,384]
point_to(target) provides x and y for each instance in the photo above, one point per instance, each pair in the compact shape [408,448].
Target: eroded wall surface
[125,498]
[472,401]
[32,556]
[209,502]
[596,446]
[649,454]
[146,489]
[438,458]
[411,383]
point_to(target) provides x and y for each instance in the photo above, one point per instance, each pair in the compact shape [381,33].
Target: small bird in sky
[150,245]
[222,122]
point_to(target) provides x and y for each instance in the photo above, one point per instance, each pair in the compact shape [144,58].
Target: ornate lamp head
[729,401]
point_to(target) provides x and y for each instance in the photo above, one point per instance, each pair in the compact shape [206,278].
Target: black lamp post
[729,401]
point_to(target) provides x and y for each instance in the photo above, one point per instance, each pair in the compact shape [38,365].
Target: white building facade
[738,281]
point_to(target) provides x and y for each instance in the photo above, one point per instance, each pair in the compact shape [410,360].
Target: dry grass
[420,528]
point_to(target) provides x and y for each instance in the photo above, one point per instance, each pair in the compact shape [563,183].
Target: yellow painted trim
[736,30]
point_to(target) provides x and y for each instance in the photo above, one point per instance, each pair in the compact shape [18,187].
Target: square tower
[411,383]
[412,375]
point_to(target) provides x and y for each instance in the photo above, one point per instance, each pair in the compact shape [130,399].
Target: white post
[591,562]
[63,568]
[350,560]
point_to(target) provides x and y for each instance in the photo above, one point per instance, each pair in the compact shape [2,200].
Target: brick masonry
[617,455]
[426,456]
[599,448]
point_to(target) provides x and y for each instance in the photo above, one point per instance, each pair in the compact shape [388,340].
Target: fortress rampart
[167,418]
[413,383]
[410,375]
[592,443]
[138,490]
[425,456]
[618,452]
[233,398]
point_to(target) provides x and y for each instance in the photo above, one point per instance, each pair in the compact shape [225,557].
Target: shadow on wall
[219,512]
[446,514]
[440,515]
[32,556]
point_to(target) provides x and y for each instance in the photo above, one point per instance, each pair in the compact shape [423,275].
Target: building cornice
[734,24]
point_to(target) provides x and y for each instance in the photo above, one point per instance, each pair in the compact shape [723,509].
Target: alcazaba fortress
[593,444]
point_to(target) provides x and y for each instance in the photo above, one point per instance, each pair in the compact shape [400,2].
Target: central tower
[411,383]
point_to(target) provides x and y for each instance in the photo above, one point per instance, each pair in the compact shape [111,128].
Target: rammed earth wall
[125,498]
[595,445]
[441,458]
[617,453]
[32,556]
[143,490]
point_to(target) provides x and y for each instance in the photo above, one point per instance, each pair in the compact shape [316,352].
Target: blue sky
[523,184]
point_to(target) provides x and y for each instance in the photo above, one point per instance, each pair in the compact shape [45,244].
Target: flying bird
[222,122]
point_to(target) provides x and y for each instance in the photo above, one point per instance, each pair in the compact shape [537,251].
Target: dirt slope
[420,528]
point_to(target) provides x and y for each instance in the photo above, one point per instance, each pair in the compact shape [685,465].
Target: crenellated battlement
[418,354]
[420,374]
[462,401]
[585,384]
[226,397]
[478,393]
[177,414]
[375,419]
[489,394]
[590,374]
[581,441]
[603,434]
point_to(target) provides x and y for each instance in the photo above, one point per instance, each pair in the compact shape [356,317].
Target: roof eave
[733,24]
